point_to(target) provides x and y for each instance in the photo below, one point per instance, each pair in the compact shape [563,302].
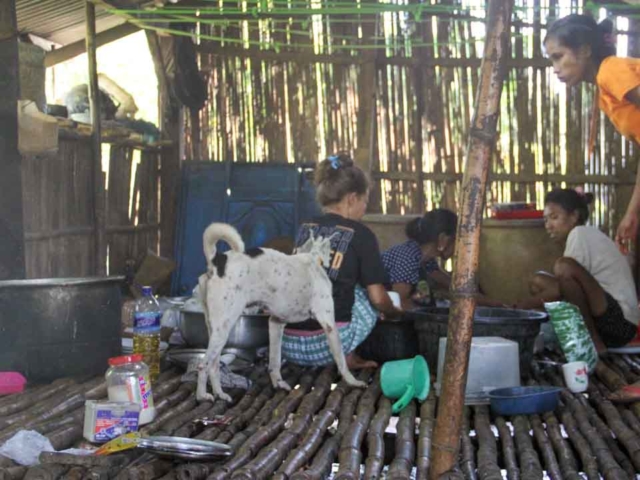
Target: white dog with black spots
[293,288]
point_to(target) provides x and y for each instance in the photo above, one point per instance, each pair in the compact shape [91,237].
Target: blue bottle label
[146,322]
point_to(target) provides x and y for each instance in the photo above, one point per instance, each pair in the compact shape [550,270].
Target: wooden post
[12,261]
[367,125]
[196,144]
[418,72]
[366,113]
[482,137]
[170,123]
[100,245]
[623,193]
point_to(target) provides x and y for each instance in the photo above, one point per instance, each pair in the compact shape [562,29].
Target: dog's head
[319,247]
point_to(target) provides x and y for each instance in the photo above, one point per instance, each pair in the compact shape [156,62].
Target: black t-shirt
[355,259]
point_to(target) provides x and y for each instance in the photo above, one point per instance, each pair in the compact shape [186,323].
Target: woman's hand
[393,315]
[381,301]
[627,230]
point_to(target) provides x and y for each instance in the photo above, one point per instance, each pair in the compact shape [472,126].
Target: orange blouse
[616,77]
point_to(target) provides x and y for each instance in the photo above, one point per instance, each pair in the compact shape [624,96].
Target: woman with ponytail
[356,271]
[582,50]
[430,237]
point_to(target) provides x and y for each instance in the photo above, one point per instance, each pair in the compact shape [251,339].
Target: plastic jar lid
[124,359]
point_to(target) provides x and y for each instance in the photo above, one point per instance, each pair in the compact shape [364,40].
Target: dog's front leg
[335,345]
[276,329]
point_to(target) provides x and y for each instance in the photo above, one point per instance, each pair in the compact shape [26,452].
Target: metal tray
[185,448]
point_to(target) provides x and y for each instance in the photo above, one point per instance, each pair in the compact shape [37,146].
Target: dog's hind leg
[276,329]
[220,327]
[220,334]
[202,283]
[325,318]
[214,378]
[210,366]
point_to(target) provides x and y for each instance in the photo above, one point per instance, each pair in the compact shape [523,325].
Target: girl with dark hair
[355,270]
[592,274]
[430,237]
[582,50]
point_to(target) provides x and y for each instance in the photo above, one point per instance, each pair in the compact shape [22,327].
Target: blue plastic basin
[524,400]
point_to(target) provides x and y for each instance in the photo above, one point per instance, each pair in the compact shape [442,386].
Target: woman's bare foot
[626,394]
[356,362]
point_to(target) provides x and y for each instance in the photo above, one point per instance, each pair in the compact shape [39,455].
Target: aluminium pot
[59,327]
[250,331]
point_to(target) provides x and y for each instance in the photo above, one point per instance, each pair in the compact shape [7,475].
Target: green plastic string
[302,7]
[218,16]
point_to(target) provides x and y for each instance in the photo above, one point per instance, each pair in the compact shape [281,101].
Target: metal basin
[250,332]
[524,400]
[52,328]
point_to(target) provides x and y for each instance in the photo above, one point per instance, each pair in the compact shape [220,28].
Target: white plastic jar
[128,381]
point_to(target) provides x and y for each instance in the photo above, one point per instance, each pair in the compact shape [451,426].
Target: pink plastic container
[11,382]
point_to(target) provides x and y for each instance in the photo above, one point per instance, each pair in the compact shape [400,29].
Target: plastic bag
[573,336]
[25,447]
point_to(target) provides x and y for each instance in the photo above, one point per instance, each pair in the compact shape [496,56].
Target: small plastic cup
[576,376]
[395,299]
[405,380]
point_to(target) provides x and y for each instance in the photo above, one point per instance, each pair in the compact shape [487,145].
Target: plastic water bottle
[146,331]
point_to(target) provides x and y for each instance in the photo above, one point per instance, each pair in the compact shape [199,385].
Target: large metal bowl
[250,332]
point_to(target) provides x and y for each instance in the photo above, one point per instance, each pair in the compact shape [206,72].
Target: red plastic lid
[115,361]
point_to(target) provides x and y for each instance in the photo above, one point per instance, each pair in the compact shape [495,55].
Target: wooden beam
[74,49]
[464,285]
[12,261]
[86,231]
[510,177]
[215,49]
[99,214]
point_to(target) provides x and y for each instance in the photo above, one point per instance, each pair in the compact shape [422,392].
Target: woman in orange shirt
[582,50]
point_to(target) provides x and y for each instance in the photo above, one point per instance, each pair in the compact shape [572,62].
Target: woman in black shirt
[355,270]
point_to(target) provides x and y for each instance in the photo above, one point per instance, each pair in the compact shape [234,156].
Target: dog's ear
[322,248]
[307,246]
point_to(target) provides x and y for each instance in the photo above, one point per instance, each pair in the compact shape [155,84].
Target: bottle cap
[147,291]
[124,359]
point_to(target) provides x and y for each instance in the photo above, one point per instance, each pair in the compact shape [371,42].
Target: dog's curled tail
[221,231]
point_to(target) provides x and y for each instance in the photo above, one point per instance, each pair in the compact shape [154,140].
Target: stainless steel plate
[185,448]
[184,356]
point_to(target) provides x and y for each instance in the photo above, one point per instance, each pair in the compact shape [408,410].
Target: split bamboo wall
[295,90]
[59,223]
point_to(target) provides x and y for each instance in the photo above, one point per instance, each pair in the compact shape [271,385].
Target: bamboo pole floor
[324,429]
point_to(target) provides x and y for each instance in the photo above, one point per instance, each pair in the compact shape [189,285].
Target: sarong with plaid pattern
[312,348]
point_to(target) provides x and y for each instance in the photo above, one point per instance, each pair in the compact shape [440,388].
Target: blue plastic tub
[524,400]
